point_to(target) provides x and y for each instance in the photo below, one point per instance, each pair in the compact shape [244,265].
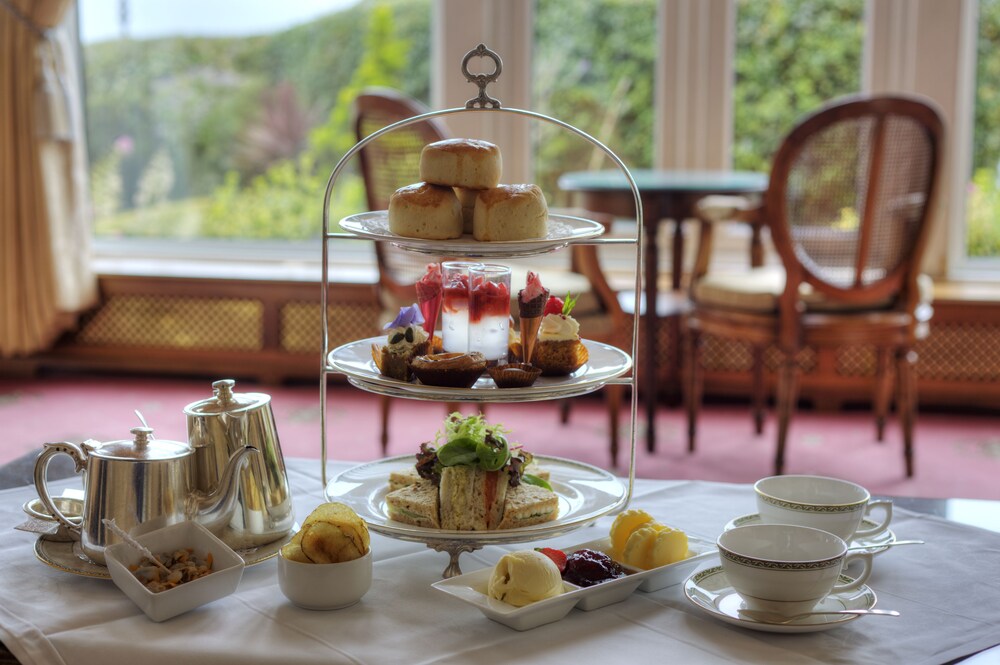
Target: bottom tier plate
[585,494]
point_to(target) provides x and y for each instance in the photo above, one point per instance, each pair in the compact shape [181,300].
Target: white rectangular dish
[472,587]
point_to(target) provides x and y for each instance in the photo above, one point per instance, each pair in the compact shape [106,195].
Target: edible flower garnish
[407,316]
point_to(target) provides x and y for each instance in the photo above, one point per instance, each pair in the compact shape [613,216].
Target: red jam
[589,567]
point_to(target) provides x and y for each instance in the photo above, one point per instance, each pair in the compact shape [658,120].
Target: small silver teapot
[142,484]
[227,422]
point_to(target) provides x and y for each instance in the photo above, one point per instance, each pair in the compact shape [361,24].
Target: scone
[510,212]
[423,210]
[467,197]
[467,163]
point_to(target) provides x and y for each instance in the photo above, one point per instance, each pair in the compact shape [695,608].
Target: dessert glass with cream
[489,311]
[455,305]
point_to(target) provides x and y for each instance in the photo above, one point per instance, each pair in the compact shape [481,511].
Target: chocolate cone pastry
[530,307]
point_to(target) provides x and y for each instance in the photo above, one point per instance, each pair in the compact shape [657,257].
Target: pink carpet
[956,455]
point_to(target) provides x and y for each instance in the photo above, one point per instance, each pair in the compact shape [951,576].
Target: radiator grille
[300,325]
[231,324]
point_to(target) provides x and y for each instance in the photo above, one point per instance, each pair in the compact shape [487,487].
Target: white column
[694,79]
[917,47]
[506,27]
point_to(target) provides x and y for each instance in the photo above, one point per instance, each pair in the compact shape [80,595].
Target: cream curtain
[45,275]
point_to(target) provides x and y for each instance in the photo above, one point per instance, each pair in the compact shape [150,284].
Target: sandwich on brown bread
[527,505]
[472,499]
[415,504]
[402,478]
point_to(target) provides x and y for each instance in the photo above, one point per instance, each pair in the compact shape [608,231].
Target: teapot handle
[41,472]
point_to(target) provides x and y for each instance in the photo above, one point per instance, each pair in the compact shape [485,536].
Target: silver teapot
[142,484]
[227,422]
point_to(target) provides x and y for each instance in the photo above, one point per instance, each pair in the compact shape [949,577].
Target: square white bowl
[227,570]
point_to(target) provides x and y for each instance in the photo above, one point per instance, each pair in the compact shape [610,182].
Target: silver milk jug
[142,484]
[226,422]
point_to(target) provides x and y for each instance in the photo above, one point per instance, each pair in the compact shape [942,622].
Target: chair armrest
[715,209]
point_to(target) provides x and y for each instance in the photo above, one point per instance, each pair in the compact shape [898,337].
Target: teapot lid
[226,401]
[142,447]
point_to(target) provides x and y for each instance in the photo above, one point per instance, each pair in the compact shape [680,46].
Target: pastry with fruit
[405,340]
[559,351]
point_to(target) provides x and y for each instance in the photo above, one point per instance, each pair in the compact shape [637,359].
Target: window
[219,119]
[593,68]
[982,219]
[791,57]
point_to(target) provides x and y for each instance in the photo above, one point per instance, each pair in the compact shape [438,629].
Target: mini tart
[514,375]
[559,357]
[449,370]
[397,365]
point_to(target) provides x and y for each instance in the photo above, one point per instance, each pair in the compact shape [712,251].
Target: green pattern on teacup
[780,565]
[812,508]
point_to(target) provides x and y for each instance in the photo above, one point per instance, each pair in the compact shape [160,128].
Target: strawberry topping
[554,305]
[558,557]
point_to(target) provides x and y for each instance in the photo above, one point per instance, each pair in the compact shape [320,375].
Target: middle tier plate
[606,362]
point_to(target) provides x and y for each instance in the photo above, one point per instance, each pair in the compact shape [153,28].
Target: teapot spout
[215,510]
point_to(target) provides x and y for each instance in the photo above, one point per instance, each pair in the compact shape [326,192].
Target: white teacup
[786,568]
[830,504]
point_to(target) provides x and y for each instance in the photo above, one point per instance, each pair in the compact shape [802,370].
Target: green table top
[654,180]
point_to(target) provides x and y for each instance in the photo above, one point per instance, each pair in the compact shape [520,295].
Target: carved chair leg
[907,400]
[564,409]
[693,393]
[757,397]
[385,404]
[787,396]
[613,399]
[883,391]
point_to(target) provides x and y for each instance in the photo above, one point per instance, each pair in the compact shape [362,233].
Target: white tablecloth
[947,590]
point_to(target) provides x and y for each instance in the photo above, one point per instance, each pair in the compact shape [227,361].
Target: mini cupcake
[406,339]
[559,350]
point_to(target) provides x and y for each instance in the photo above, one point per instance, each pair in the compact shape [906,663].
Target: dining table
[667,195]
[947,592]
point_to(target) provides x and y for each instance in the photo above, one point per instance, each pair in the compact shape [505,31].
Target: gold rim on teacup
[807,506]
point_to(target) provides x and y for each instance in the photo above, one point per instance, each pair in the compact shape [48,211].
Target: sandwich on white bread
[472,499]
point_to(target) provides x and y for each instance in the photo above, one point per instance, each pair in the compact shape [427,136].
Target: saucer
[69,557]
[875,544]
[709,591]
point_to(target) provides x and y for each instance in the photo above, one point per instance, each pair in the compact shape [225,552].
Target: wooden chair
[394,160]
[847,208]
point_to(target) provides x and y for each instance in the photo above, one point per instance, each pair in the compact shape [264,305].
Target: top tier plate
[563,229]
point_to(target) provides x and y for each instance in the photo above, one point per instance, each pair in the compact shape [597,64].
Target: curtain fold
[45,275]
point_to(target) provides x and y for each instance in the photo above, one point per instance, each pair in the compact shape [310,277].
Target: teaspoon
[774,617]
[855,548]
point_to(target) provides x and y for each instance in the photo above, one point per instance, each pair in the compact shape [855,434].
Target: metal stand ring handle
[41,471]
[483,101]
